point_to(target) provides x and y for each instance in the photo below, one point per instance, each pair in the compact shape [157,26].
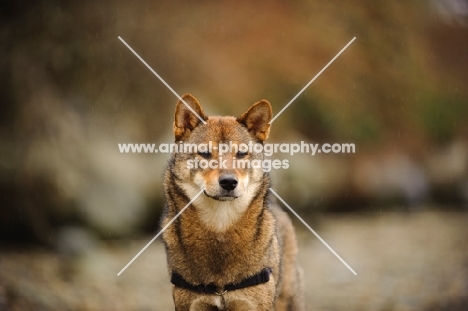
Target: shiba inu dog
[232,248]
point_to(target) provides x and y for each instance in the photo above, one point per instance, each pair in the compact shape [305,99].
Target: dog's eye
[205,154]
[241,154]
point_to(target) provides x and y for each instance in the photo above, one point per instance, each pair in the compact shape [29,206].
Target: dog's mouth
[221,198]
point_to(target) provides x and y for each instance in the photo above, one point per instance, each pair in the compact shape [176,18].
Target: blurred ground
[404,261]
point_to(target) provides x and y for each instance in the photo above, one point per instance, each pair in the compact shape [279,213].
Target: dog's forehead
[221,128]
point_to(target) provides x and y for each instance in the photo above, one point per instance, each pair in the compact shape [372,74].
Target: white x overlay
[162,80]
[312,230]
[313,79]
[198,194]
[162,230]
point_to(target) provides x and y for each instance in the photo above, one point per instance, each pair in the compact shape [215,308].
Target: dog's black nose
[228,182]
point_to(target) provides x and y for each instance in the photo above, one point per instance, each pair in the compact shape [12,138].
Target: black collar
[259,278]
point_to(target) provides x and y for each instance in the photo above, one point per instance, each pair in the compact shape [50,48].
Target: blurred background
[74,210]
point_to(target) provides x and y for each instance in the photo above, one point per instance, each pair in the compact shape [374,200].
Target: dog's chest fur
[230,255]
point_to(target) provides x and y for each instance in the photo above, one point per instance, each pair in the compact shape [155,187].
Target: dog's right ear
[185,120]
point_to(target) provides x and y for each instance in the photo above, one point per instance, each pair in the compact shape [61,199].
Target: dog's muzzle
[221,198]
[228,182]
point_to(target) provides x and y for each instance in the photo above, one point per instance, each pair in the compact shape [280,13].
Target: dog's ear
[185,120]
[256,119]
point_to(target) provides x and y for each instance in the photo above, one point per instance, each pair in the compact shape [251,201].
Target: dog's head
[226,175]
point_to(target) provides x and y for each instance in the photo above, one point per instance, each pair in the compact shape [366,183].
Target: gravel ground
[411,261]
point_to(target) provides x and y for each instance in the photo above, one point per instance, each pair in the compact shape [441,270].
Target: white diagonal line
[312,230]
[313,79]
[162,230]
[162,80]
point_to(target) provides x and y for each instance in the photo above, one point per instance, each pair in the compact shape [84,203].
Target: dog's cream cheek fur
[220,215]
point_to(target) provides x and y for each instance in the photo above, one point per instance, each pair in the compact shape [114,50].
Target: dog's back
[291,289]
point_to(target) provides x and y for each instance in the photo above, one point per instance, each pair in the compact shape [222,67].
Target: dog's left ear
[256,119]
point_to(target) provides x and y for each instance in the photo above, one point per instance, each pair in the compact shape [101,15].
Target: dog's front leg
[188,301]
[240,305]
[199,305]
